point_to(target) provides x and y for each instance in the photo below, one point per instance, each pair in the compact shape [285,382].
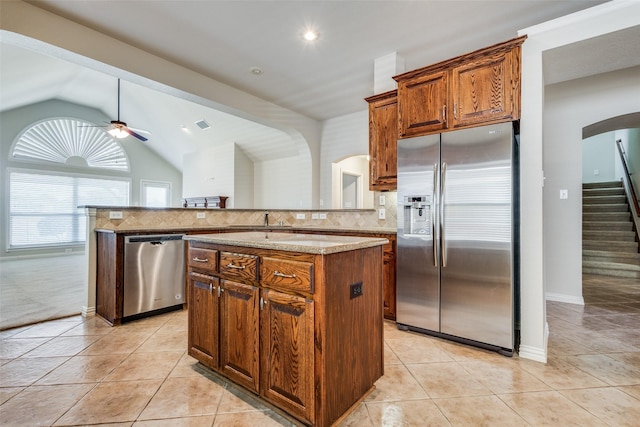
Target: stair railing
[629,186]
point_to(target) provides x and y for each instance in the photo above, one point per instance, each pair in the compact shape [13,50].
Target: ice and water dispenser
[417,215]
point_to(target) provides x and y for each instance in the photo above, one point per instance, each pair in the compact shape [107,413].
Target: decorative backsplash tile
[187,217]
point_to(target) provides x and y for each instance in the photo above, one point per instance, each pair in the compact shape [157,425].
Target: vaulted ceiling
[225,39]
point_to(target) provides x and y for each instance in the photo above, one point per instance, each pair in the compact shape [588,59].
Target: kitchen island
[294,318]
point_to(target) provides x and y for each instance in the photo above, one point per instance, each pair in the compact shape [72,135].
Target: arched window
[72,142]
[43,203]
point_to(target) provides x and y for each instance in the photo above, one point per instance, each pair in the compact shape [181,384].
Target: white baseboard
[569,299]
[536,354]
[532,353]
[88,311]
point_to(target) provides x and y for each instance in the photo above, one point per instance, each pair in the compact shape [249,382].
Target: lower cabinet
[287,344]
[239,339]
[276,324]
[203,318]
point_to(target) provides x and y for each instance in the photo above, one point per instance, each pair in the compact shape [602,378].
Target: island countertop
[306,243]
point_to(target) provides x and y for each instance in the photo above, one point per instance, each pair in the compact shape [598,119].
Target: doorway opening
[350,183]
[610,210]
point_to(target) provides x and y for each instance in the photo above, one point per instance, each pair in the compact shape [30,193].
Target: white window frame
[146,183]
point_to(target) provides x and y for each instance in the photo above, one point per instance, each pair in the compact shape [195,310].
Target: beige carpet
[37,289]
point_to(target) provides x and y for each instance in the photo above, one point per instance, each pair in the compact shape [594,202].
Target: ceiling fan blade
[132,133]
[140,130]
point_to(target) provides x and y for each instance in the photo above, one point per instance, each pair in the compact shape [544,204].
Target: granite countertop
[247,227]
[307,243]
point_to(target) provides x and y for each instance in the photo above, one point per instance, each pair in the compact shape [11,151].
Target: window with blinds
[43,207]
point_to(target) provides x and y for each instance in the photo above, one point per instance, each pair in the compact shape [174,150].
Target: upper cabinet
[383,136]
[481,87]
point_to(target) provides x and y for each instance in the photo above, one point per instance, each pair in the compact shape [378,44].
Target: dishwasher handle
[153,239]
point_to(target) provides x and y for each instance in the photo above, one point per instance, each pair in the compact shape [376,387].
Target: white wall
[210,173]
[282,184]
[598,154]
[243,174]
[568,108]
[342,137]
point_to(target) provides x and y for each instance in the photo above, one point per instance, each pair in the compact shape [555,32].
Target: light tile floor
[79,371]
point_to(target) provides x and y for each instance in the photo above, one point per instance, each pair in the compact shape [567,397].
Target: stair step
[604,200]
[617,207]
[611,269]
[607,225]
[606,216]
[609,235]
[608,256]
[611,272]
[613,246]
[591,192]
[602,184]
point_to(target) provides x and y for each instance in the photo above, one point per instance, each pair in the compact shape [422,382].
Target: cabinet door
[422,104]
[482,90]
[287,375]
[203,319]
[239,342]
[383,143]
[389,282]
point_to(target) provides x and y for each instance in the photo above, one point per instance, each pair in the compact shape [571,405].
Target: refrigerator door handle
[433,214]
[443,241]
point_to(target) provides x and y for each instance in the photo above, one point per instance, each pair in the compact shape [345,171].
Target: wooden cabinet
[481,87]
[383,136]
[482,90]
[203,318]
[293,331]
[288,364]
[239,339]
[423,104]
[389,280]
[388,267]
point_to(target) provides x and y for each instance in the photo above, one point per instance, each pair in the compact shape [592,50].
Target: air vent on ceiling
[202,124]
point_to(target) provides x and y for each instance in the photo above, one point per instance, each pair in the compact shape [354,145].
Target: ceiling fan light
[118,133]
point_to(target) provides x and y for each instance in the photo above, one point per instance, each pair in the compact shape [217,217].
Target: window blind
[43,208]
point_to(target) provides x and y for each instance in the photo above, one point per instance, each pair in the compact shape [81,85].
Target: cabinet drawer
[287,274]
[203,259]
[239,265]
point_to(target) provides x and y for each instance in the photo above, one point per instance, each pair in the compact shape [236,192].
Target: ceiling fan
[119,129]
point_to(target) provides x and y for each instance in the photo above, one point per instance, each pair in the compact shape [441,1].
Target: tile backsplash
[133,217]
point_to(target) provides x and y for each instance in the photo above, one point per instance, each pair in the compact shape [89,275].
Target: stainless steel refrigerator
[458,238]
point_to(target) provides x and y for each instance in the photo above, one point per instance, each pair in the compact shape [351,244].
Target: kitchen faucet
[266,218]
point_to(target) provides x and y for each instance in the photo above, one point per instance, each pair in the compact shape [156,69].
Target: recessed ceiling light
[310,35]
[256,70]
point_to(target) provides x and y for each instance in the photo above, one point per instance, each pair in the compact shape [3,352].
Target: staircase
[609,240]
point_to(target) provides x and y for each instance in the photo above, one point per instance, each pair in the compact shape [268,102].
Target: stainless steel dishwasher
[154,273]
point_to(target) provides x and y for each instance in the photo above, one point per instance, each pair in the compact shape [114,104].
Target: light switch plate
[314,216]
[322,215]
[200,215]
[115,214]
[300,216]
[382,201]
[564,194]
